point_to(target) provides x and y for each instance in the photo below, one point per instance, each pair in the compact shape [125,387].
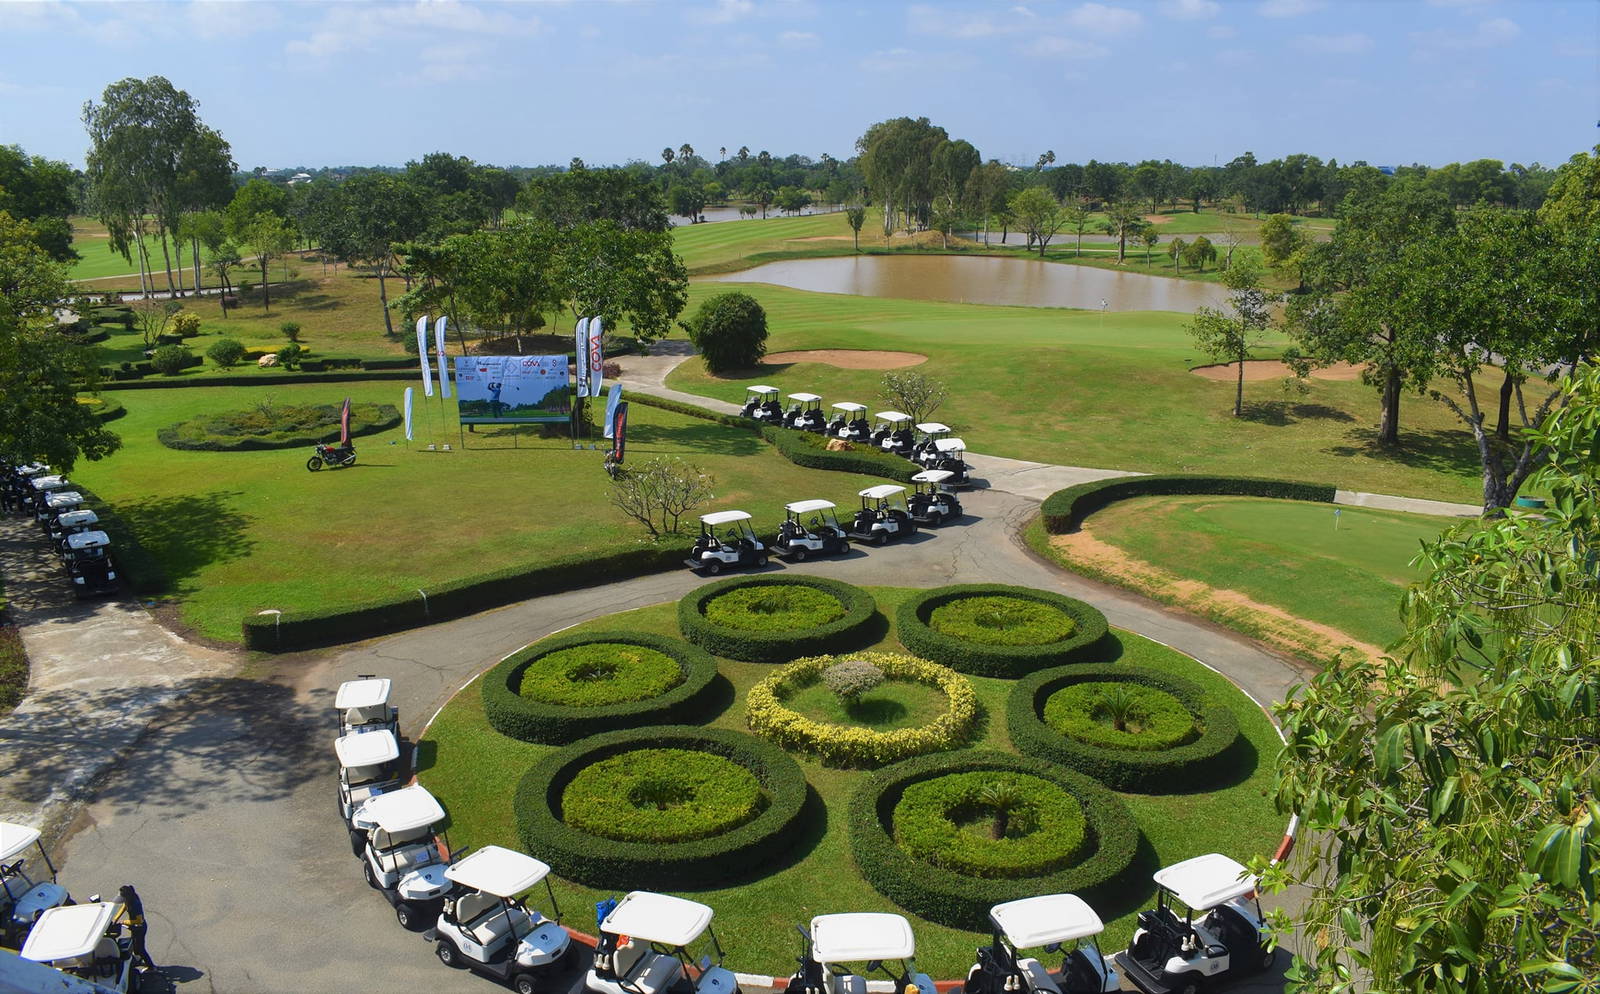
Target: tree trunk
[1238,393]
[1389,423]
[167,258]
[1122,244]
[1503,429]
[144,281]
[194,253]
[177,253]
[383,297]
[1079,250]
[266,299]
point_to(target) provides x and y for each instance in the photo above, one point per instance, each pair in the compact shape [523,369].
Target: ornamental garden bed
[997,630]
[275,426]
[773,619]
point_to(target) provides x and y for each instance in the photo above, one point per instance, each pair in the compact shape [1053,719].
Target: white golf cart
[805,413]
[883,515]
[820,535]
[892,432]
[869,938]
[402,858]
[369,765]
[645,948]
[761,404]
[1170,954]
[83,940]
[850,423]
[947,455]
[930,503]
[55,504]
[87,558]
[362,705]
[1049,922]
[23,899]
[923,453]
[483,926]
[726,539]
[71,523]
[40,487]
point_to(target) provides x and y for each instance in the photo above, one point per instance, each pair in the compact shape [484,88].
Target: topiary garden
[275,426]
[996,630]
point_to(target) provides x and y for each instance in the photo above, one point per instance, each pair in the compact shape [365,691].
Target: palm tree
[1118,702]
[722,153]
[1006,799]
[666,155]
[685,151]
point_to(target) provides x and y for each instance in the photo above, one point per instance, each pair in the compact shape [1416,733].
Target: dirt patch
[1270,369]
[849,358]
[1158,218]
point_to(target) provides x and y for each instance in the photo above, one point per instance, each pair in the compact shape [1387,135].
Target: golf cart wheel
[358,842]
[798,553]
[879,538]
[408,916]
[713,567]
[1267,957]
[314,463]
[1189,984]
[761,560]
[525,983]
[446,951]
[372,878]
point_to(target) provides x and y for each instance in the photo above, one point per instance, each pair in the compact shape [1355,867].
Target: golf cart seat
[1037,977]
[640,968]
[480,916]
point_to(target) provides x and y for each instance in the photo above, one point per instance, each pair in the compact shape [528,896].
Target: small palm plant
[1120,705]
[1008,804]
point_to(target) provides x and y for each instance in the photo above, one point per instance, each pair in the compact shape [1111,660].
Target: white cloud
[1051,46]
[1488,34]
[359,26]
[1287,8]
[1098,18]
[1350,43]
[1190,10]
[724,12]
[944,23]
[797,39]
[1221,31]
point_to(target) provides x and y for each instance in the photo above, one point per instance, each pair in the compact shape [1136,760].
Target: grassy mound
[275,426]
[1001,621]
[661,795]
[598,674]
[773,608]
[990,824]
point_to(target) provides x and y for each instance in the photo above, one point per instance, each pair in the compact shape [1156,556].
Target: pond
[985,280]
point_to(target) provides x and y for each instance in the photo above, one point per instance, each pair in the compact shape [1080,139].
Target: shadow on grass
[812,825]
[1279,413]
[755,372]
[709,439]
[1447,450]
[190,532]
[1129,890]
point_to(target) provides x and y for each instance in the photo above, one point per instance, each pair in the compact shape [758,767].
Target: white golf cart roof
[61,498]
[722,518]
[1206,881]
[761,390]
[862,935]
[932,476]
[73,519]
[1039,921]
[15,838]
[950,445]
[671,921]
[88,540]
[881,491]
[54,482]
[33,469]
[804,398]
[364,693]
[402,810]
[892,416]
[845,405]
[806,506]
[933,428]
[498,871]
[68,932]
[366,748]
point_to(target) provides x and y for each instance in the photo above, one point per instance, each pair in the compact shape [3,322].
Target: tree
[224,259]
[1450,826]
[658,493]
[1176,248]
[1122,220]
[1076,218]
[857,216]
[912,393]
[730,331]
[579,195]
[42,192]
[1150,237]
[688,199]
[1280,239]
[1199,252]
[1038,214]
[606,271]
[763,195]
[266,236]
[986,192]
[1231,337]
[378,213]
[1574,196]
[153,320]
[947,217]
[225,352]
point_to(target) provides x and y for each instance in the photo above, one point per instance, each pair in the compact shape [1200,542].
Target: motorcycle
[333,456]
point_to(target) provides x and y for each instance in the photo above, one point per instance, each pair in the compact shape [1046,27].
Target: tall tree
[1121,221]
[1574,196]
[380,212]
[616,273]
[266,236]
[1232,337]
[1038,213]
[43,193]
[1075,217]
[580,194]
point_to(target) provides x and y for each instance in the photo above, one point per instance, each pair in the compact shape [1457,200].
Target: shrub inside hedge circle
[599,673]
[773,607]
[661,795]
[940,625]
[759,636]
[768,714]
[275,426]
[990,824]
[1120,714]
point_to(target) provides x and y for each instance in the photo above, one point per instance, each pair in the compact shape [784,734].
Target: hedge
[1008,661]
[1065,510]
[961,901]
[191,435]
[935,822]
[109,409]
[534,721]
[839,635]
[599,862]
[661,795]
[1176,769]
[252,379]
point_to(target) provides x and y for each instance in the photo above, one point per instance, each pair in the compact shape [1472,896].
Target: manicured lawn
[891,705]
[474,771]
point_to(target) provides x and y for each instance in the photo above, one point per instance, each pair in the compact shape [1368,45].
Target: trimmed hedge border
[599,862]
[388,416]
[1123,769]
[832,637]
[247,379]
[516,716]
[1008,661]
[1064,510]
[960,901]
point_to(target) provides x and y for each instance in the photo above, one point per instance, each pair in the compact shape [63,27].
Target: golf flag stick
[439,327]
[422,353]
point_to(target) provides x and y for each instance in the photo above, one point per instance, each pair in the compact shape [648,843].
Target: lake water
[985,280]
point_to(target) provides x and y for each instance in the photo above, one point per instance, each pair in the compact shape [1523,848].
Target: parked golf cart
[1173,954]
[41,487]
[930,503]
[947,455]
[645,948]
[891,432]
[485,927]
[883,515]
[1052,923]
[362,705]
[835,942]
[88,561]
[369,765]
[22,898]
[850,423]
[923,452]
[72,523]
[55,504]
[805,413]
[800,537]
[402,858]
[16,482]
[735,545]
[84,940]
[761,404]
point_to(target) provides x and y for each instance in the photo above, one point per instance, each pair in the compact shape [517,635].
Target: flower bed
[766,619]
[661,795]
[275,426]
[1151,719]
[968,645]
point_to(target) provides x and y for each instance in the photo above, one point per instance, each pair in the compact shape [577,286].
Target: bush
[513,712]
[170,359]
[1178,768]
[767,714]
[599,673]
[291,330]
[772,607]
[1009,661]
[1001,621]
[395,362]
[839,634]
[185,324]
[852,678]
[1152,719]
[961,900]
[661,795]
[289,356]
[596,861]
[280,426]
[730,330]
[1065,510]
[256,380]
[225,352]
[1033,826]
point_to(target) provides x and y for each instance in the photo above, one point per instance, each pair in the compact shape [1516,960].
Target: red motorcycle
[333,456]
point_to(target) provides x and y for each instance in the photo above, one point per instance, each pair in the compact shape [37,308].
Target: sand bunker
[849,358]
[1158,218]
[1271,369]
[821,238]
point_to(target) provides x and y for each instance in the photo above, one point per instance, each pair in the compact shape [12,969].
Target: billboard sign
[512,389]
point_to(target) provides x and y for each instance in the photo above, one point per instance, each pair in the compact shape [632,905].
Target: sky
[1390,82]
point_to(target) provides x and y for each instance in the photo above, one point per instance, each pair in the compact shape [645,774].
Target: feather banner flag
[409,392]
[580,355]
[344,423]
[611,407]
[597,356]
[444,364]
[422,353]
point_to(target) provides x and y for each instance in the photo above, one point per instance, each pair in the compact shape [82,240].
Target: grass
[891,705]
[13,660]
[473,770]
[773,608]
[1001,621]
[599,674]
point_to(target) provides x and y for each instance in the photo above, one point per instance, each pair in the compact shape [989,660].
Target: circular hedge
[781,642]
[961,900]
[601,862]
[1009,661]
[767,715]
[1001,621]
[1153,719]
[596,674]
[1033,826]
[1141,769]
[280,426]
[515,715]
[661,795]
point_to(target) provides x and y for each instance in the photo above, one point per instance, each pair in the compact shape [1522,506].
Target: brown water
[984,280]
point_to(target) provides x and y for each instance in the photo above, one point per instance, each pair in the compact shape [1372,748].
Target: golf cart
[71,523]
[892,432]
[368,766]
[1049,922]
[947,456]
[821,535]
[736,546]
[362,705]
[929,432]
[869,938]
[483,926]
[23,899]
[930,503]
[850,423]
[41,487]
[644,949]
[84,940]
[805,413]
[883,515]
[403,860]
[88,562]
[1173,954]
[761,404]
[55,504]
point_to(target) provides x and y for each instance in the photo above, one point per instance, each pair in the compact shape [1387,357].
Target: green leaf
[1390,753]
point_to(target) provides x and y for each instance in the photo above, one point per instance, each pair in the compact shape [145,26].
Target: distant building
[299,178]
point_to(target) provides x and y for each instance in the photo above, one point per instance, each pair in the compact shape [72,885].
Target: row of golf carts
[72,530]
[929,444]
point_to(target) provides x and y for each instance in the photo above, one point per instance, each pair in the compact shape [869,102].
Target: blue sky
[1388,81]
